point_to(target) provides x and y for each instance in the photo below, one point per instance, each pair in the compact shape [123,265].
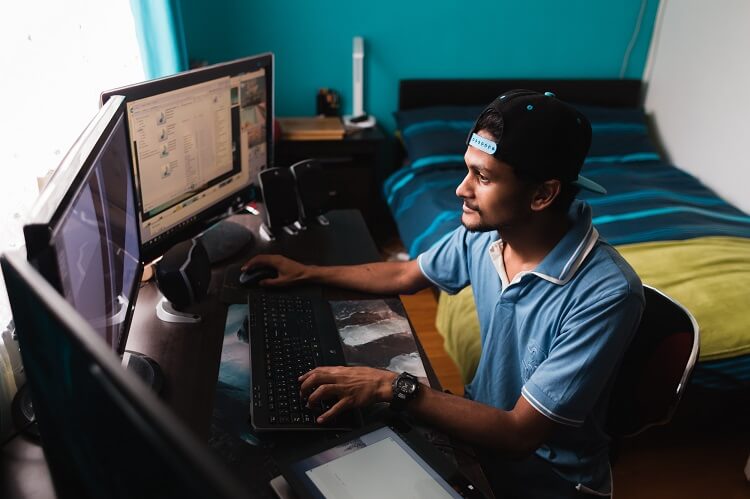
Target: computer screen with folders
[198,140]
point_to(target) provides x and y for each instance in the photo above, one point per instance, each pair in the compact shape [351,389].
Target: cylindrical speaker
[183,273]
[279,197]
[311,187]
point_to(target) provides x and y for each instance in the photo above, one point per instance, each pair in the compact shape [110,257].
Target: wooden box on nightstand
[349,164]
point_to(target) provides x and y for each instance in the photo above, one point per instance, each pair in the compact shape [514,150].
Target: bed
[679,235]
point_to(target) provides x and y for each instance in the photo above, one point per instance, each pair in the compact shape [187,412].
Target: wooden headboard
[451,92]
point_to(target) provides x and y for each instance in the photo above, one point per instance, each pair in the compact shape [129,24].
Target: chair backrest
[656,368]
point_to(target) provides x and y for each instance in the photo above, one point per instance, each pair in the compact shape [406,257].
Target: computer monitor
[103,433]
[83,232]
[198,140]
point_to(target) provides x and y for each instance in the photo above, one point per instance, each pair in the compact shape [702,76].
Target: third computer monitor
[104,435]
[198,140]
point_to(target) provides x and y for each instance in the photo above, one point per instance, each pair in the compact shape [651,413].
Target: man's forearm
[507,433]
[378,277]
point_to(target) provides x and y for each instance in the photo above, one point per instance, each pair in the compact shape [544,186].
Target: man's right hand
[384,278]
[290,271]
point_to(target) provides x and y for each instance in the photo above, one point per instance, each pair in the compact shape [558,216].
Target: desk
[189,354]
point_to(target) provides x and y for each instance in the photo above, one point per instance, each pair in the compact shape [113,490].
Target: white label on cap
[484,145]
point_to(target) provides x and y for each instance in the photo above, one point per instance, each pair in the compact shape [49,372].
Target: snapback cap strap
[484,145]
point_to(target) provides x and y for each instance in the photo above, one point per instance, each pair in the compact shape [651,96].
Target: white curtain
[57,56]
[56,59]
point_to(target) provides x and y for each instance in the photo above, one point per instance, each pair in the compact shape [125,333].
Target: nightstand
[349,164]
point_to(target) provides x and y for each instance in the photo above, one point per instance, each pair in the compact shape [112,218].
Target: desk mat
[232,292]
[232,396]
[249,454]
[376,333]
[231,437]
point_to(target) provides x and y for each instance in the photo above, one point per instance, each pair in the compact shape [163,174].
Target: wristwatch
[405,388]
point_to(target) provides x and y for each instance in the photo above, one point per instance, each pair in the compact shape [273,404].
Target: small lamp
[358,118]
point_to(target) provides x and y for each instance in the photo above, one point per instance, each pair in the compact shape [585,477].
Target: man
[557,307]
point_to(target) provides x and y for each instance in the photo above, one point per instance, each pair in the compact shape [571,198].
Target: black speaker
[279,197]
[183,273]
[312,189]
[225,239]
[22,412]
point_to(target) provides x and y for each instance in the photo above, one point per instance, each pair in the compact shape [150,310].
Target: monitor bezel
[152,250]
[141,404]
[63,188]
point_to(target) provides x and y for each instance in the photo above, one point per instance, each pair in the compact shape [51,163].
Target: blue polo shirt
[553,335]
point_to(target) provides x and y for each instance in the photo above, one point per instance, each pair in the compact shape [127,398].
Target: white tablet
[377,462]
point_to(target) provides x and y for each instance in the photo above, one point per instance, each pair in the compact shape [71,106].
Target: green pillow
[458,324]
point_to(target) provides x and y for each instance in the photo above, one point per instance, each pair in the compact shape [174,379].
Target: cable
[653,55]
[633,39]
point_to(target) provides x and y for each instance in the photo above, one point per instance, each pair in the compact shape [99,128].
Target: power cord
[633,39]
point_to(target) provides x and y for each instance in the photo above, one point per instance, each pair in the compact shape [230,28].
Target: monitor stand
[225,239]
[303,224]
[266,233]
[167,312]
[145,368]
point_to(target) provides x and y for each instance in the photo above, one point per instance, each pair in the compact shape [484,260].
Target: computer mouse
[251,277]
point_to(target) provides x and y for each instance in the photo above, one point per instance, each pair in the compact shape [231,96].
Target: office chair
[656,367]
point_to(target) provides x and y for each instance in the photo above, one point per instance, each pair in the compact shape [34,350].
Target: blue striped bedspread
[647,200]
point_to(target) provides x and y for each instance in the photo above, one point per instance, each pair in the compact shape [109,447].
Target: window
[56,59]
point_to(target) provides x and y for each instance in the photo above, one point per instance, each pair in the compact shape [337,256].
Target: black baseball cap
[541,136]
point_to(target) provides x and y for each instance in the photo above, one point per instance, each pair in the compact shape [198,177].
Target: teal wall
[417,39]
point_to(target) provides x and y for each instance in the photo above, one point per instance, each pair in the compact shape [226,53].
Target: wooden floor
[678,461]
[421,308]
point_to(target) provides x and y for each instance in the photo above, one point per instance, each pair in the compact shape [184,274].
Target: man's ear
[545,194]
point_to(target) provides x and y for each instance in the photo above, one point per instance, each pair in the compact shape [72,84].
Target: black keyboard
[289,335]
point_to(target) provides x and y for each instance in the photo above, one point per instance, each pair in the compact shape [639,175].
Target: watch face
[406,385]
[405,388]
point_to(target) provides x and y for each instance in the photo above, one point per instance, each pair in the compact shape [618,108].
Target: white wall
[698,92]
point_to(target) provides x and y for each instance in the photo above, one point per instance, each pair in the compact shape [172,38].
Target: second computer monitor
[83,231]
[198,141]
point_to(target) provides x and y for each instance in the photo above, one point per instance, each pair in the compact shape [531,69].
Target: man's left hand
[349,387]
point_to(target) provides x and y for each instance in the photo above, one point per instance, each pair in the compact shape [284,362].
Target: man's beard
[477,227]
